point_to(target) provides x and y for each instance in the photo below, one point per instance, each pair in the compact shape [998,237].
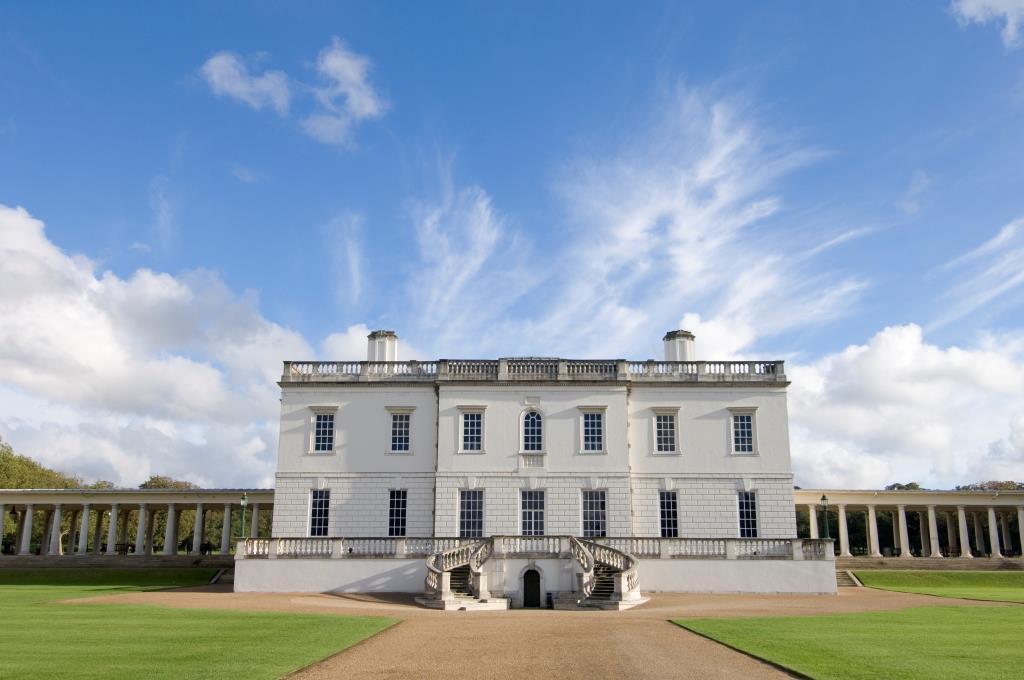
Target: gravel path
[639,643]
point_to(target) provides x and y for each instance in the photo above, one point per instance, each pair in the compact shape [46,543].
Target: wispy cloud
[244,174]
[343,237]
[1008,12]
[910,202]
[228,76]
[164,226]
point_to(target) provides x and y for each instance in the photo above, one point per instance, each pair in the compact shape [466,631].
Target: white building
[582,472]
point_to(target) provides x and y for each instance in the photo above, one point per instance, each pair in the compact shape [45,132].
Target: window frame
[673,412]
[585,411]
[315,413]
[583,513]
[752,500]
[325,513]
[398,411]
[461,433]
[666,530]
[462,522]
[522,432]
[538,515]
[393,513]
[750,411]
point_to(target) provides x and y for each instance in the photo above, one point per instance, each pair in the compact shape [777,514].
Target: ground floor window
[471,513]
[396,512]
[669,514]
[594,514]
[319,511]
[748,514]
[533,513]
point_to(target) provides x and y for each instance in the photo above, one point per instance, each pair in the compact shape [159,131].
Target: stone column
[933,532]
[812,518]
[904,534]
[112,531]
[844,536]
[124,528]
[55,545]
[83,531]
[923,533]
[979,536]
[1020,527]
[197,533]
[254,530]
[72,526]
[225,531]
[895,532]
[26,530]
[97,535]
[150,528]
[965,540]
[44,543]
[1004,525]
[140,531]
[993,532]
[3,518]
[873,533]
[171,531]
[950,536]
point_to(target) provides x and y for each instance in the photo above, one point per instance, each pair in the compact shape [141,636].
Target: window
[669,514]
[533,513]
[665,432]
[533,432]
[319,510]
[472,431]
[743,432]
[323,433]
[593,431]
[397,499]
[471,513]
[594,517]
[748,514]
[400,432]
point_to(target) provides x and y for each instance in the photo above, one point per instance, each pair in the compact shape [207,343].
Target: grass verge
[44,638]
[1005,586]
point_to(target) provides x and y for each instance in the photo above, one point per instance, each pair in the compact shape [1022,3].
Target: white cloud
[227,75]
[344,241]
[1008,12]
[910,202]
[244,174]
[902,409]
[346,98]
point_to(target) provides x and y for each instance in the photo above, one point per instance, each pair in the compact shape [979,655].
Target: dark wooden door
[531,588]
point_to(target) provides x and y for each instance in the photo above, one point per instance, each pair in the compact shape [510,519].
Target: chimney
[382,346]
[679,346]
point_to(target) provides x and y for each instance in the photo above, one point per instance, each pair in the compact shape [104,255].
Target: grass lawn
[45,639]
[971,585]
[924,642]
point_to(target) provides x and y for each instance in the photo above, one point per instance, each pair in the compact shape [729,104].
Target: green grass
[926,642]
[1005,586]
[44,638]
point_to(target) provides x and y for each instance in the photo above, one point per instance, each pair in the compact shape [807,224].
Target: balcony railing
[546,370]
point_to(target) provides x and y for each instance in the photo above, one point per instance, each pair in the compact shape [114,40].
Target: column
[965,540]
[895,533]
[26,530]
[993,532]
[150,528]
[171,531]
[950,536]
[140,531]
[1020,527]
[923,533]
[225,531]
[254,530]
[812,516]
[3,516]
[979,537]
[83,531]
[124,529]
[55,530]
[844,536]
[873,533]
[197,533]
[112,531]
[97,536]
[904,534]
[72,528]
[44,543]
[1004,524]
[933,532]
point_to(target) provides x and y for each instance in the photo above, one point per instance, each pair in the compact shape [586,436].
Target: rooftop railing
[534,370]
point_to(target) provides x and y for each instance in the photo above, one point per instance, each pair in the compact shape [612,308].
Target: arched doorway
[531,588]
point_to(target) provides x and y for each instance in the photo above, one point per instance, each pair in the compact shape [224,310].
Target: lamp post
[824,511]
[245,502]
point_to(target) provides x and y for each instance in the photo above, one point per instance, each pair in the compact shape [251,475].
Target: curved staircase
[455,579]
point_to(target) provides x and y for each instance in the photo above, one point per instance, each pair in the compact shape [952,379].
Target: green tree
[909,486]
[992,486]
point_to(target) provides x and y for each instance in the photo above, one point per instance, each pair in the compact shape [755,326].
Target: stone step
[846,580]
[931,563]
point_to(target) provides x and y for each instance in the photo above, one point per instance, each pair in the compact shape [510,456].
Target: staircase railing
[472,555]
[618,560]
[585,559]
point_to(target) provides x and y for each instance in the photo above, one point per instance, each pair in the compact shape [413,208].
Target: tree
[162,482]
[992,486]
[909,486]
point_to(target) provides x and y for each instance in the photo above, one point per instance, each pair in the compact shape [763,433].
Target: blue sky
[224,187]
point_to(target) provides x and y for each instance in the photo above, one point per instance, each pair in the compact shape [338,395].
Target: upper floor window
[319,511]
[533,431]
[397,502]
[665,431]
[595,519]
[593,431]
[401,427]
[323,432]
[748,514]
[533,513]
[744,435]
[472,431]
[471,513]
[669,507]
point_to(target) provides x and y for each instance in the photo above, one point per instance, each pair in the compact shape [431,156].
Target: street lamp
[824,510]
[245,502]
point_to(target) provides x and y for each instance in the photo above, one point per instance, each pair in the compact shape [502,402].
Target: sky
[191,193]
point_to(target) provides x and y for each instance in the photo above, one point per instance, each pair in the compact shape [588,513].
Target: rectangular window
[471,513]
[319,511]
[593,431]
[748,514]
[743,432]
[594,514]
[472,431]
[533,513]
[665,432]
[397,499]
[669,514]
[323,433]
[400,431]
